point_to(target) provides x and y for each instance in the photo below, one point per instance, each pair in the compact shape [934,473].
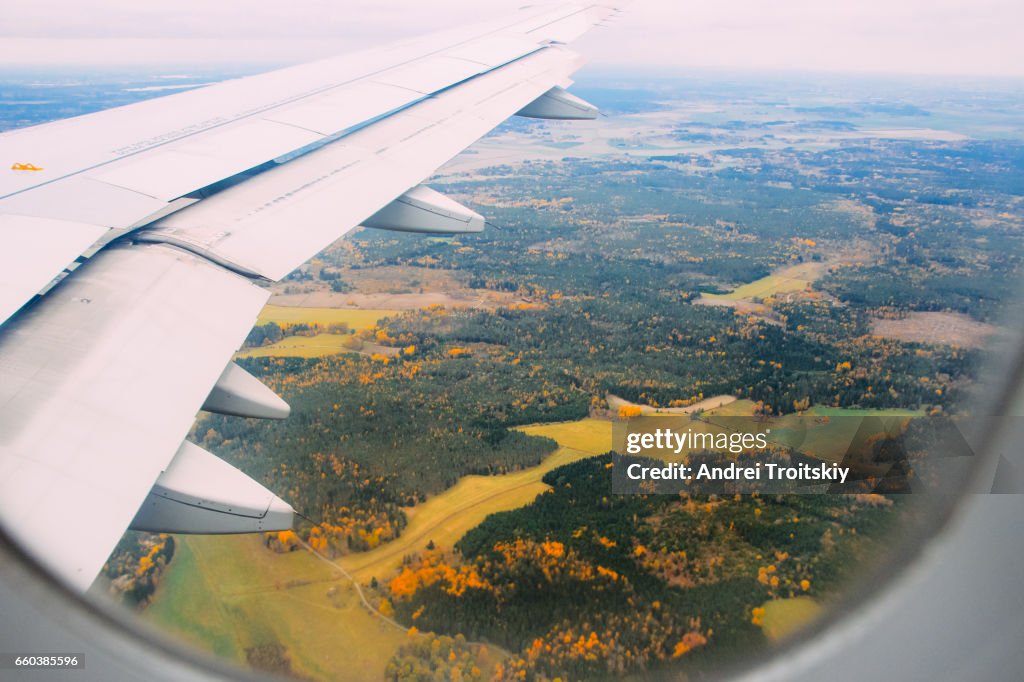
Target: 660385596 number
[47,660]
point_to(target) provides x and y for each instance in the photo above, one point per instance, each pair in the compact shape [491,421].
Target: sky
[962,37]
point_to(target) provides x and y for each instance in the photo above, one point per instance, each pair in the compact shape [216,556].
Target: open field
[355,318]
[830,439]
[950,329]
[391,288]
[299,347]
[782,281]
[227,594]
[182,607]
[397,279]
[745,408]
[312,346]
[737,408]
[315,347]
[782,617]
[589,435]
[857,412]
[760,310]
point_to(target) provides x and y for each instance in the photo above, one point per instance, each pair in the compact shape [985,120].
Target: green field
[782,617]
[312,346]
[355,318]
[830,440]
[299,347]
[739,408]
[858,412]
[786,280]
[229,593]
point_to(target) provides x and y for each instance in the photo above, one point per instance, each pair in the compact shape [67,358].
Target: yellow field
[228,593]
[783,617]
[589,435]
[312,346]
[785,280]
[355,318]
[299,347]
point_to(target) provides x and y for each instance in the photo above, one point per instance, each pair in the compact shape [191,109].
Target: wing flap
[99,384]
[46,230]
[84,200]
[44,246]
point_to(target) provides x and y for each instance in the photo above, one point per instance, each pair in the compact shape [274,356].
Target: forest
[369,436]
[632,583]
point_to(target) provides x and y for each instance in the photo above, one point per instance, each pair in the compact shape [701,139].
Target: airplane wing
[157,221]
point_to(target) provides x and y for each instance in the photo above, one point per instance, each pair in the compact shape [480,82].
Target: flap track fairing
[560,105]
[201,493]
[424,210]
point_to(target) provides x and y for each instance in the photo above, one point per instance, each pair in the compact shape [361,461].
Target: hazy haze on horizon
[876,36]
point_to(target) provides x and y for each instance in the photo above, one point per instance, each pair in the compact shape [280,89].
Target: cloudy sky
[887,36]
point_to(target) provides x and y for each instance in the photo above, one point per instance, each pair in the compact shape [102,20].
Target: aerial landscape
[783,248]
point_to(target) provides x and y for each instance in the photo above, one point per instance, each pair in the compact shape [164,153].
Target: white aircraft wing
[156,221]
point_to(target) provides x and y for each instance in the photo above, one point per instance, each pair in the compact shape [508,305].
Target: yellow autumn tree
[627,411]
